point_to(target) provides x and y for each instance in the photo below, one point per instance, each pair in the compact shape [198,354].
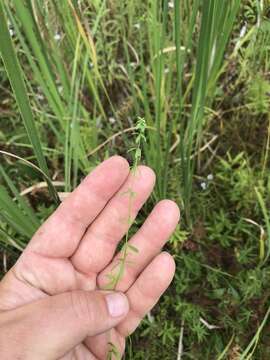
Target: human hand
[51,305]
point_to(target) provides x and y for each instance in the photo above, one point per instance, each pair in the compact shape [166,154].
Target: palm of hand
[74,250]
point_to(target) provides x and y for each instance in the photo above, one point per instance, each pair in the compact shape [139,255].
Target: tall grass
[16,78]
[71,67]
[217,19]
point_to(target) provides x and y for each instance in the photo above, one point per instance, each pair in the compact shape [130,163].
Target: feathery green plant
[117,273]
[113,353]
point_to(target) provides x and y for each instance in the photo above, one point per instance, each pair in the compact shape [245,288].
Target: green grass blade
[247,354]
[13,215]
[7,240]
[21,202]
[14,71]
[33,166]
[266,219]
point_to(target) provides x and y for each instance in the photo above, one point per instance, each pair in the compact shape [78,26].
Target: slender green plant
[113,353]
[117,273]
[247,354]
[267,222]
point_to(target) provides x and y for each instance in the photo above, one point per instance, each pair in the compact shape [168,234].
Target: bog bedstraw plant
[118,271]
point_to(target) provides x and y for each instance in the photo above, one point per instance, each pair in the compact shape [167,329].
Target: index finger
[60,235]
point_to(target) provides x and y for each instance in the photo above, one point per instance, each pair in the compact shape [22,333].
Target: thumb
[49,328]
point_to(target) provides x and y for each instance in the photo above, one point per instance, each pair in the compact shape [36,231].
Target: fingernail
[117,304]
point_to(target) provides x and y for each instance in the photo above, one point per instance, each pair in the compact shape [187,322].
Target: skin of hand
[51,305]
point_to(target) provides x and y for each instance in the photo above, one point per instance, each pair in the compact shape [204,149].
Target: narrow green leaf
[13,215]
[133,248]
[22,203]
[14,72]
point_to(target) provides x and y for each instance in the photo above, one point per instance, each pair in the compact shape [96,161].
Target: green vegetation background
[198,72]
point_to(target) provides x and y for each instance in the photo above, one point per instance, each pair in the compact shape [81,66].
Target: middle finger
[100,241]
[148,242]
